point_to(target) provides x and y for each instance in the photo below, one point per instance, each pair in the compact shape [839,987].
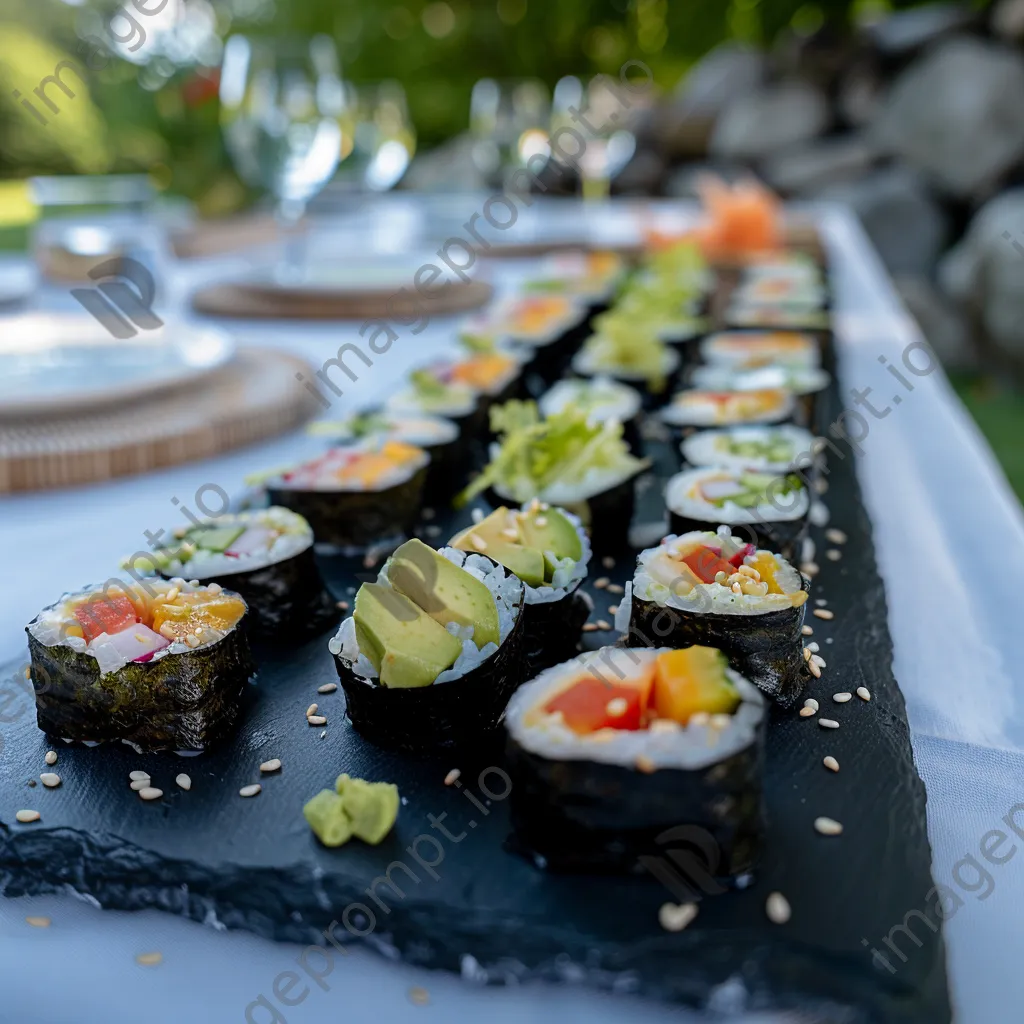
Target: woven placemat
[255,396]
[248,301]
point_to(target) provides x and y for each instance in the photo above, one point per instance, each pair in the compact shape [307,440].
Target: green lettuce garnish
[534,453]
[623,345]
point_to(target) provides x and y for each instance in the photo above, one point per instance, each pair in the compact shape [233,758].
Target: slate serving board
[469,905]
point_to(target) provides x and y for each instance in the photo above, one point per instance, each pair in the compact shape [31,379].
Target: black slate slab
[462,901]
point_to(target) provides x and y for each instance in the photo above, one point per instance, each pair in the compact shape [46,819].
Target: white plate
[59,363]
[337,276]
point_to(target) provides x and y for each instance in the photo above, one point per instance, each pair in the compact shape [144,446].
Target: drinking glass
[509,124]
[384,139]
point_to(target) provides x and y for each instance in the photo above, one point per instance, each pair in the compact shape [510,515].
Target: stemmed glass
[384,139]
[285,121]
[594,110]
[509,124]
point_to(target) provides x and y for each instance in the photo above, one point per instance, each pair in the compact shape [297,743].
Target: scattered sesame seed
[827,826]
[138,776]
[810,569]
[28,672]
[27,817]
[616,707]
[183,781]
[807,630]
[601,582]
[811,703]
[836,536]
[51,780]
[38,922]
[608,562]
[139,784]
[273,765]
[214,588]
[316,719]
[674,918]
[167,631]
[817,659]
[149,959]
[478,542]
[254,790]
[777,908]
[833,554]
[192,640]
[821,485]
[814,670]
[807,712]
[813,647]
[841,698]
[150,793]
[864,693]
[664,725]
[603,625]
[311,710]
[323,734]
[831,763]
[342,606]
[807,654]
[452,777]
[613,609]
[720,721]
[419,996]
[590,627]
[828,723]
[823,613]
[645,764]
[51,757]
[614,588]
[140,638]
[820,602]
[327,688]
[369,562]
[172,594]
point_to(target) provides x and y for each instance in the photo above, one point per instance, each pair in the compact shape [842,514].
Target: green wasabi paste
[366,810]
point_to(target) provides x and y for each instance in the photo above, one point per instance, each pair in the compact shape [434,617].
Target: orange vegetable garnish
[590,704]
[706,563]
[482,371]
[689,681]
[764,562]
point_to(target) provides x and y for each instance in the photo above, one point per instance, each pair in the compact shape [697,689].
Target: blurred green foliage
[163,118]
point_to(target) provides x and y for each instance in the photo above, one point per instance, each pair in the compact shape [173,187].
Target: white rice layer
[595,481]
[506,588]
[690,747]
[711,447]
[801,380]
[682,496]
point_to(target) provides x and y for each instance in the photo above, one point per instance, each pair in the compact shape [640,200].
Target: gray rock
[772,119]
[820,164]
[958,115]
[943,324]
[901,34]
[1008,20]
[904,222]
[985,272]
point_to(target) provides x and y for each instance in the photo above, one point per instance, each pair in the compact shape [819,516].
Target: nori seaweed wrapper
[552,630]
[356,519]
[548,363]
[448,470]
[785,537]
[766,649]
[187,701]
[580,815]
[287,600]
[443,716]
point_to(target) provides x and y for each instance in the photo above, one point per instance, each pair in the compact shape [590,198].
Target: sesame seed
[149,959]
[821,485]
[38,922]
[452,777]
[608,562]
[273,765]
[864,693]
[51,757]
[841,698]
[836,536]
[813,647]
[427,513]
[811,703]
[323,734]
[590,627]
[172,594]
[167,630]
[828,723]
[720,721]
[807,630]
[675,918]
[541,521]
[645,764]
[814,670]
[317,719]
[419,996]
[817,659]
[311,710]
[183,781]
[827,826]
[810,569]
[777,908]
[601,582]
[616,707]
[831,763]
[342,606]
[807,654]
[807,712]
[254,790]
[614,588]
[664,725]
[833,554]
[140,638]
[192,640]
[138,776]
[511,534]
[51,780]
[151,793]
[214,588]
[823,613]
[478,542]
[613,609]
[820,602]
[138,784]
[699,718]
[603,625]
[27,817]
[327,688]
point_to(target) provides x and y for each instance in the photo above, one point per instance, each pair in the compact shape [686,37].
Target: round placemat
[255,396]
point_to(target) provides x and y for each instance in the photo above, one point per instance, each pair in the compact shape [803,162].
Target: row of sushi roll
[449,645]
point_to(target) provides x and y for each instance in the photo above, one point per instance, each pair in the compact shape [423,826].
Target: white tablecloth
[950,539]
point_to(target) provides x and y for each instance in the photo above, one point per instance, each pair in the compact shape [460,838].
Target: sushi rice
[686,494]
[601,397]
[768,449]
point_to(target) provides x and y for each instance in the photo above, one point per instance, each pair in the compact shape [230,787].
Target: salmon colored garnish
[706,564]
[105,615]
[590,704]
[483,370]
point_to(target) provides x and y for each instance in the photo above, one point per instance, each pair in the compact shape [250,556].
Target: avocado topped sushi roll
[355,496]
[564,460]
[267,557]
[159,664]
[433,649]
[770,509]
[609,751]
[713,588]
[548,549]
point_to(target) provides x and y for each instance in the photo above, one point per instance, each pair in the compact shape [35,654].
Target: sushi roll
[695,407]
[267,557]
[602,399]
[161,665]
[438,437]
[747,350]
[712,588]
[776,449]
[433,649]
[428,394]
[564,460]
[611,754]
[773,315]
[548,549]
[770,510]
[357,496]
[633,355]
[589,275]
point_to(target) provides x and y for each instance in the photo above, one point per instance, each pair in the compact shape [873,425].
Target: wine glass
[508,121]
[285,120]
[384,139]
[594,110]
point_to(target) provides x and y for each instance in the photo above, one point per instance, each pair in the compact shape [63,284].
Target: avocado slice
[495,531]
[446,592]
[216,538]
[406,646]
[549,530]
